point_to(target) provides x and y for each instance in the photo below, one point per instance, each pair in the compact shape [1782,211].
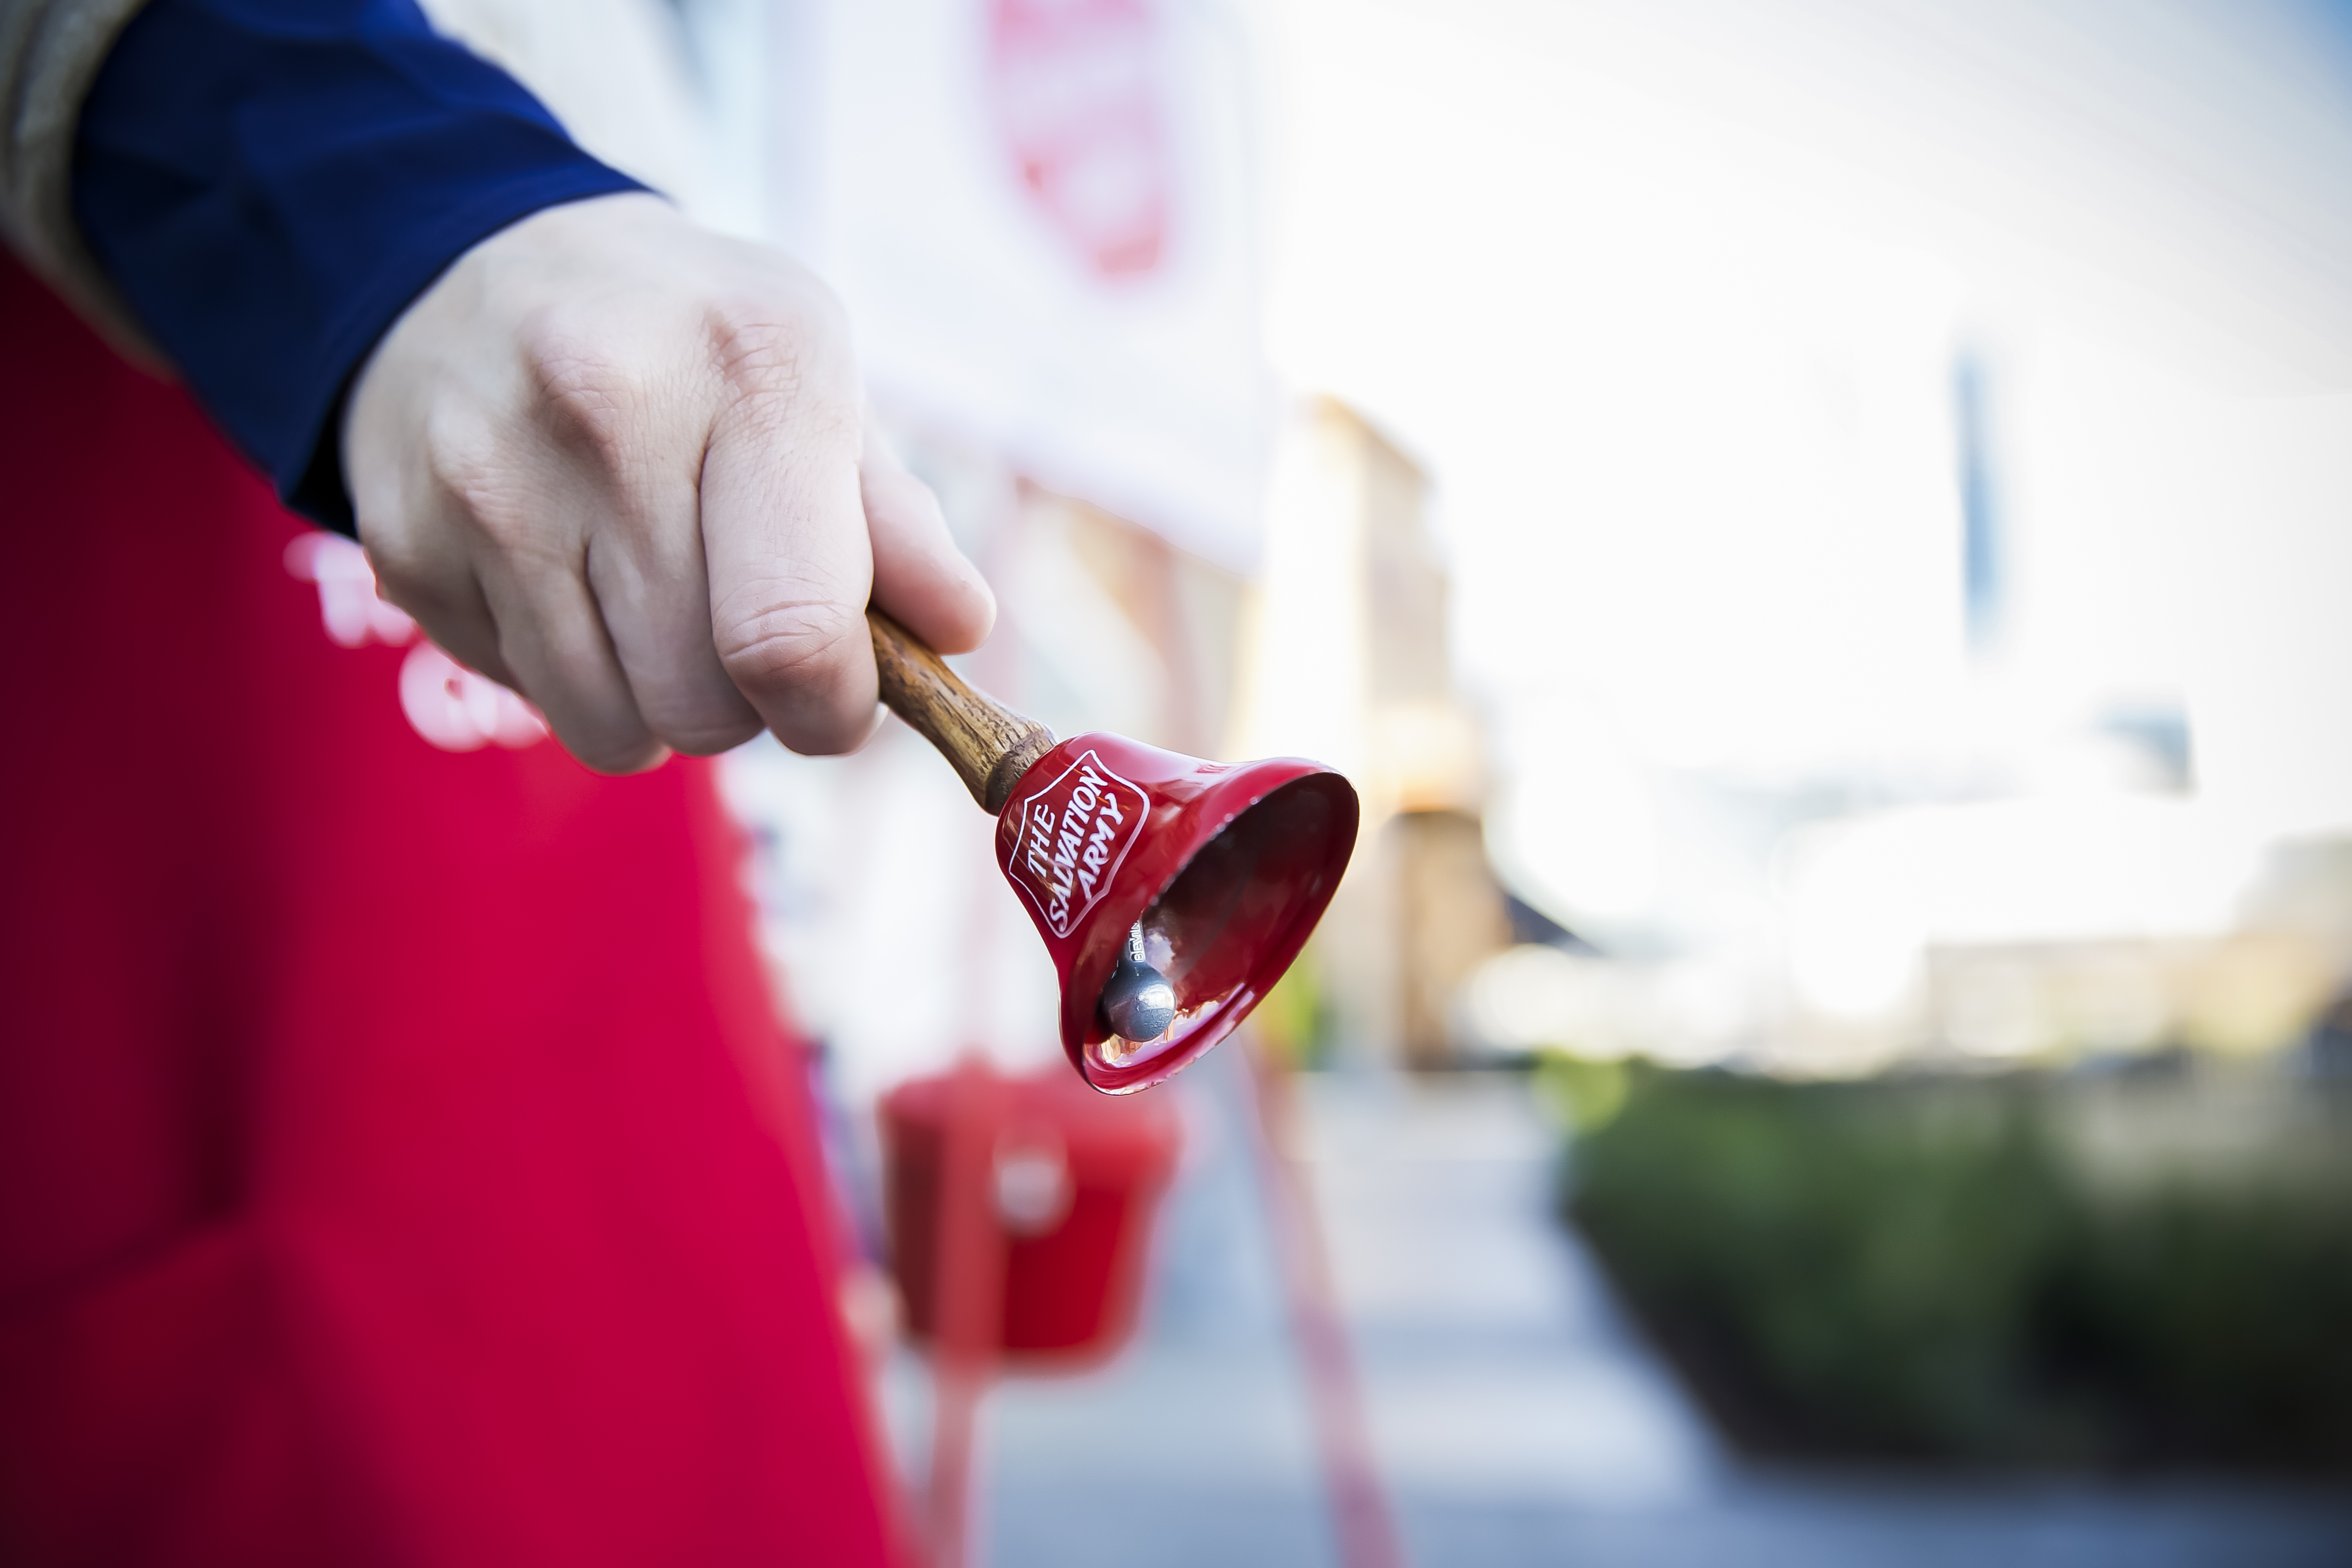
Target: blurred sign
[1041,216]
[449,706]
[1078,93]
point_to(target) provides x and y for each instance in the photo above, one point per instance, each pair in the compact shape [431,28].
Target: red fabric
[398,1161]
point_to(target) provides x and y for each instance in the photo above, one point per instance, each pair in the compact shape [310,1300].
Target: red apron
[399,1162]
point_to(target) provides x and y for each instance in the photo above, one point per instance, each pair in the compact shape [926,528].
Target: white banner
[1042,215]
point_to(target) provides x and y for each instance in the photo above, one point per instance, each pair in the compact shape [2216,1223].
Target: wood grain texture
[989,745]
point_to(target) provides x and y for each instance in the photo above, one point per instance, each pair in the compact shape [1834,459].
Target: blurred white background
[1712,322]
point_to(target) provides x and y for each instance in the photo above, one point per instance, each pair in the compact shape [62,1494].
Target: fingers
[783,530]
[920,579]
[459,539]
[552,637]
[538,630]
[620,465]
[405,518]
[647,571]
[448,607]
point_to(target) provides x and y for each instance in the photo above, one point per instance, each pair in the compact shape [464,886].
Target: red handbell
[1224,868]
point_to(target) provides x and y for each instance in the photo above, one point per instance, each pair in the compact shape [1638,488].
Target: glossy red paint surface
[1228,865]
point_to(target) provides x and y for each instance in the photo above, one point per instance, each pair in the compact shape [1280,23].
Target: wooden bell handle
[989,745]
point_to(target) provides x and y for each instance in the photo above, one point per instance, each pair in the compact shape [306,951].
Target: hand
[623,465]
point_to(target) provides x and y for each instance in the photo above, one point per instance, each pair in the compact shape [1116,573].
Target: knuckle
[593,404]
[467,472]
[754,349]
[788,643]
[784,353]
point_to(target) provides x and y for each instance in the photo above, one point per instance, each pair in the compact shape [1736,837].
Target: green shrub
[1910,1268]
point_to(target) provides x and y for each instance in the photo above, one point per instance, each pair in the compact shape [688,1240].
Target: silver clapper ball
[1138,1003]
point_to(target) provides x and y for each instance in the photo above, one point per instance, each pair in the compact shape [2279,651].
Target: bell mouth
[1224,928]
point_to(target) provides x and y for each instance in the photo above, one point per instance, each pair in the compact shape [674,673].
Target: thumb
[920,579]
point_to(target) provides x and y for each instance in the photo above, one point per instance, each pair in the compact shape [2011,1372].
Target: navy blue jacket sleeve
[269,182]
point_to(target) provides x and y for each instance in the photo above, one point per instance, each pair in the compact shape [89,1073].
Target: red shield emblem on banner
[1076,90]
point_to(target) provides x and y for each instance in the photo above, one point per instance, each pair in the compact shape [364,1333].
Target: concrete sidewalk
[1517,1416]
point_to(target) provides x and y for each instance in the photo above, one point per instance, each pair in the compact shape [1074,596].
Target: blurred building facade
[1350,658]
